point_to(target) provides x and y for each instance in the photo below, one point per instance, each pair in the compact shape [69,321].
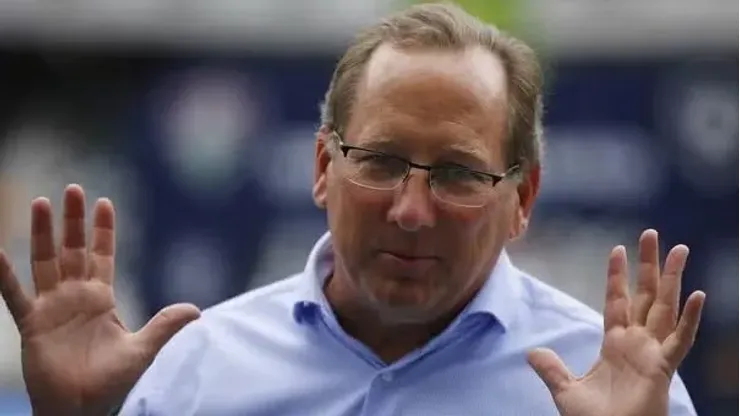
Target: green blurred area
[512,16]
[505,14]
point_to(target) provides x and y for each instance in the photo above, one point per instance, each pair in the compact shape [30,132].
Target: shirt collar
[319,267]
[498,298]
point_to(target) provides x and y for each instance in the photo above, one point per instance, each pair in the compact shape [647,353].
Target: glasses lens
[462,187]
[374,170]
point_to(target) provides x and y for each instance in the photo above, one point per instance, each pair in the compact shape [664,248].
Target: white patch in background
[194,271]
[571,255]
[290,173]
[708,120]
[708,115]
[700,115]
[208,123]
[600,165]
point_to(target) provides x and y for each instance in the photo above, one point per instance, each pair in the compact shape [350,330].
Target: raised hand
[644,340]
[78,357]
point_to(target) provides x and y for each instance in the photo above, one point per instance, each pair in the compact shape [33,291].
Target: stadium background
[197,119]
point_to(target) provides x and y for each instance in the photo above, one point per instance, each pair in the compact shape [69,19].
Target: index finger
[18,303]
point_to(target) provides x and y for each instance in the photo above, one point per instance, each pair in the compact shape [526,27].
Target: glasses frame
[496,178]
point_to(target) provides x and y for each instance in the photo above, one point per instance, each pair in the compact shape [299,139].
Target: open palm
[644,340]
[78,357]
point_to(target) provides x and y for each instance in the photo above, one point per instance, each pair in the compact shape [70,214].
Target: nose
[413,204]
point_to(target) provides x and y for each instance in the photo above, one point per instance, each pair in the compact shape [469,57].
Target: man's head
[435,87]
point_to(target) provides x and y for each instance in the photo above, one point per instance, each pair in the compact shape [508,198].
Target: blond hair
[447,26]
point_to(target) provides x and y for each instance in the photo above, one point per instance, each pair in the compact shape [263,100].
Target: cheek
[498,217]
[467,226]
[353,211]
[479,232]
[362,206]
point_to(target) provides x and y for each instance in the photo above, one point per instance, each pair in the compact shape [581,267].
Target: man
[427,163]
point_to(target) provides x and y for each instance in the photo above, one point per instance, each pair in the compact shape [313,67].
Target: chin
[398,299]
[404,315]
[401,309]
[398,292]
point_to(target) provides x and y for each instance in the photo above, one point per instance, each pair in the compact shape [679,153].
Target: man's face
[405,253]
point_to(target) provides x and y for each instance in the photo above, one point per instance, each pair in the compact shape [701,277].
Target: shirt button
[387,376]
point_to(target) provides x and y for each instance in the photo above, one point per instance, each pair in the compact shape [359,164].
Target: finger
[551,369]
[44,267]
[18,303]
[678,344]
[73,253]
[663,314]
[616,308]
[164,325]
[102,251]
[647,277]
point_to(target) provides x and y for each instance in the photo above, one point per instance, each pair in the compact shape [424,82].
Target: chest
[340,384]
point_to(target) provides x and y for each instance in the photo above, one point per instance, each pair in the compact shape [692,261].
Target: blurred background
[197,120]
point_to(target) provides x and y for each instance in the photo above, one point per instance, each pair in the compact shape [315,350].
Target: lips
[408,257]
[409,265]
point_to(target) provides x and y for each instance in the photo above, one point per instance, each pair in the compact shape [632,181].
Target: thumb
[165,324]
[551,369]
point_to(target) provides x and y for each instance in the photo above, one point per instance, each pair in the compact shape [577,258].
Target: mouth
[408,264]
[408,257]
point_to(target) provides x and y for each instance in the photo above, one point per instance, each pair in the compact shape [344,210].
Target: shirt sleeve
[680,403]
[170,386]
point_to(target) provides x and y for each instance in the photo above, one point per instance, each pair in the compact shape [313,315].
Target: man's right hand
[78,357]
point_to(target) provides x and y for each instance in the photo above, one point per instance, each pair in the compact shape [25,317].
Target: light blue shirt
[279,350]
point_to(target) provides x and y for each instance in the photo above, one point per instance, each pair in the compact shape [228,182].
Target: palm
[632,371]
[78,357]
[644,342]
[85,336]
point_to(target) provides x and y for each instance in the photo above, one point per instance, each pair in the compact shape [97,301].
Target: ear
[527,193]
[321,167]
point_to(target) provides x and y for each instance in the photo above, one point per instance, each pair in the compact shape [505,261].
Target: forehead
[433,99]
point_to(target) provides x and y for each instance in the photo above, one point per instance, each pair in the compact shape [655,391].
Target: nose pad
[413,204]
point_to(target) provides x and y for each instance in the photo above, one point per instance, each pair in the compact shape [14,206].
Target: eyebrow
[466,153]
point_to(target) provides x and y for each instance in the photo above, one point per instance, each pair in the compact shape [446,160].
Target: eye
[372,164]
[373,158]
[459,174]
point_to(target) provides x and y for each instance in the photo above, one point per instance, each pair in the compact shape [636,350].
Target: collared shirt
[279,350]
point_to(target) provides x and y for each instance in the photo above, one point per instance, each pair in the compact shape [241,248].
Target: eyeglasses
[452,184]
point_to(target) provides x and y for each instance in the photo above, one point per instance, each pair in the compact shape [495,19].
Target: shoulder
[217,338]
[269,305]
[264,300]
[547,317]
[555,314]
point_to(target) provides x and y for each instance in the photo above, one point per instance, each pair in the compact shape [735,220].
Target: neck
[388,340]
